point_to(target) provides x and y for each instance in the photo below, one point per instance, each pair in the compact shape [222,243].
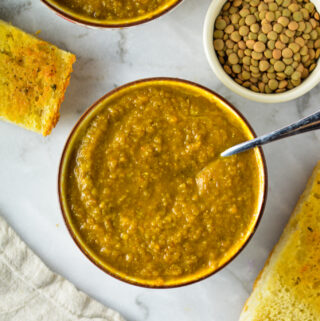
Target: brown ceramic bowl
[76,18]
[67,155]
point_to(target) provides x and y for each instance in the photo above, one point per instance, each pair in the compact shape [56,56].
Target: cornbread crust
[33,78]
[288,287]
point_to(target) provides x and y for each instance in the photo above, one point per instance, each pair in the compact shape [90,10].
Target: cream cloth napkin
[29,291]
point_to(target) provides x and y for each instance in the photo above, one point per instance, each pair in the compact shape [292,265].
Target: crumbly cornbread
[33,78]
[288,288]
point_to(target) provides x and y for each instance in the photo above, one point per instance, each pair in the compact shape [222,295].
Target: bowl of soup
[111,13]
[144,191]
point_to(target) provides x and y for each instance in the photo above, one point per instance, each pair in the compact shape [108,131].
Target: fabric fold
[29,291]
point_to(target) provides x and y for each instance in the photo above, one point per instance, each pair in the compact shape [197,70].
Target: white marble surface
[170,46]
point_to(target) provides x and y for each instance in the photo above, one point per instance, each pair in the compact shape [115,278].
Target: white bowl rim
[310,82]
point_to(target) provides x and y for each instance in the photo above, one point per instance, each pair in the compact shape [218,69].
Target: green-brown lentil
[287,53]
[279,66]
[280,45]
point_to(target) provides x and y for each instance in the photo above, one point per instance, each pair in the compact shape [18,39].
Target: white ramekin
[296,92]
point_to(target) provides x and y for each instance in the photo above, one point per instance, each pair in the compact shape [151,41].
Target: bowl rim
[309,83]
[264,173]
[80,21]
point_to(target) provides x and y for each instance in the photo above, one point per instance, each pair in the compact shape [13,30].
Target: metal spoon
[304,125]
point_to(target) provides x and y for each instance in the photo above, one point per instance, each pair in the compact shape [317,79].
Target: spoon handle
[304,125]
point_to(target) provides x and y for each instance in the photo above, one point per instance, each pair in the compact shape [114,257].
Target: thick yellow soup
[115,10]
[147,192]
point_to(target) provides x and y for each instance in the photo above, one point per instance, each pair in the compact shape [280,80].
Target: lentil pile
[268,46]
[145,193]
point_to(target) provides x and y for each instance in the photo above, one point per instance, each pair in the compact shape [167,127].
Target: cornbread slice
[288,288]
[33,78]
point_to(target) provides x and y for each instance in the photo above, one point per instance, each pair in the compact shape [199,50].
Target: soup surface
[147,191]
[115,9]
